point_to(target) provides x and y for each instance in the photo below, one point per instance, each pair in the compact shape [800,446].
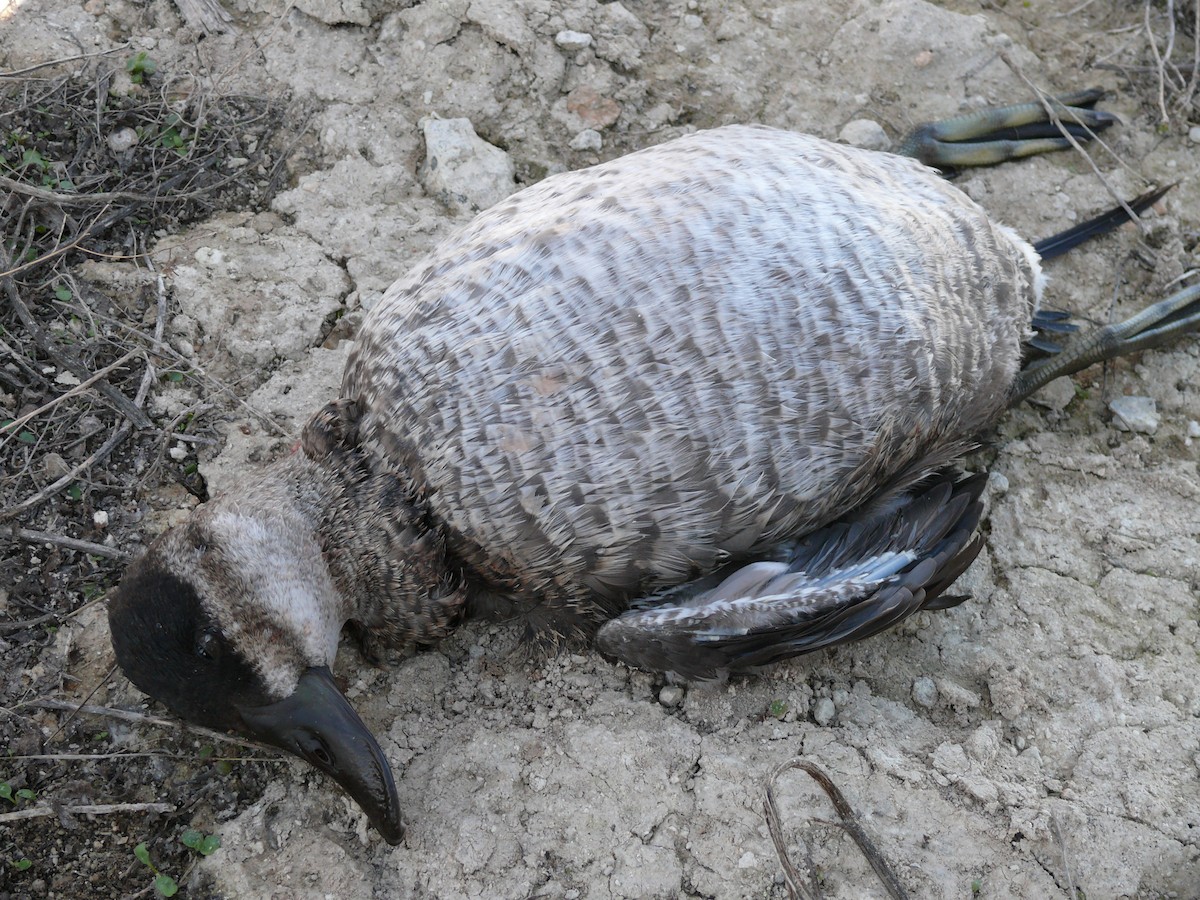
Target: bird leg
[999,134]
[1152,327]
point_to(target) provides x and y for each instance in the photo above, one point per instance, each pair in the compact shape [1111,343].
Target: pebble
[54,466]
[1194,134]
[999,485]
[1056,395]
[573,40]
[864,133]
[670,696]
[461,168]
[594,110]
[100,518]
[1138,414]
[824,712]
[924,692]
[1193,432]
[178,453]
[588,139]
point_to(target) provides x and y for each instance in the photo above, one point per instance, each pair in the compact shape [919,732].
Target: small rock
[824,712]
[998,482]
[100,518]
[1056,395]
[1138,414]
[593,109]
[573,40]
[461,168]
[1194,134]
[178,453]
[670,696]
[864,133]
[1193,432]
[588,139]
[924,692]
[54,466]
[950,759]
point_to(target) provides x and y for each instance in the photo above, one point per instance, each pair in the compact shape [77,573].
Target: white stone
[1138,414]
[824,712]
[573,40]
[100,518]
[461,168]
[671,695]
[924,692]
[588,139]
[1055,395]
[864,133]
[1194,134]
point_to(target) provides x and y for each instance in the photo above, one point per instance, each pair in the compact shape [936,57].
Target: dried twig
[1049,105]
[849,823]
[14,425]
[68,360]
[128,715]
[85,809]
[49,490]
[16,73]
[30,536]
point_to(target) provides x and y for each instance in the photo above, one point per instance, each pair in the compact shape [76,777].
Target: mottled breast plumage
[623,376]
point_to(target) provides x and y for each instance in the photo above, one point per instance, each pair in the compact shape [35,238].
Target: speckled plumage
[621,377]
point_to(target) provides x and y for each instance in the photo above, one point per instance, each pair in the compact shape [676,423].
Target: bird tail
[844,582]
[1110,220]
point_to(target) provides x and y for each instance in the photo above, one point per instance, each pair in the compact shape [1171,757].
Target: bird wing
[841,583]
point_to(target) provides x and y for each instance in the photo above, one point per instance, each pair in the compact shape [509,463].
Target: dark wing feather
[841,583]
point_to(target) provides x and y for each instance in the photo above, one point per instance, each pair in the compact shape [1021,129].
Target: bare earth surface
[1042,738]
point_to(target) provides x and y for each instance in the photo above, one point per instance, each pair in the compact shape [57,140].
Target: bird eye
[208,643]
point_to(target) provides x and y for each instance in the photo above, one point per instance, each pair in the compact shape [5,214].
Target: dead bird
[700,401]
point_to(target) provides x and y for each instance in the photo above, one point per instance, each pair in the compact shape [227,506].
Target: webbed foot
[998,134]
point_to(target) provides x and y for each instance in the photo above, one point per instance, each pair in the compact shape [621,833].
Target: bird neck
[385,553]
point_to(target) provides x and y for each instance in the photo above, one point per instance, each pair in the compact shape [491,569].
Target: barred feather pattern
[625,377]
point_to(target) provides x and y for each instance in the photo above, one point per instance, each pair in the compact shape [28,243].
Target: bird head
[232,620]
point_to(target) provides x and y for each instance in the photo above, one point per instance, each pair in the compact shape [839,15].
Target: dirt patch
[1039,739]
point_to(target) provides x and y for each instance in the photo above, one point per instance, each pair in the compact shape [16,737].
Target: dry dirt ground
[1042,740]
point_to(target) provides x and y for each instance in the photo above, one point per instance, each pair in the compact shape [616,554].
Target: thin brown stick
[128,715]
[49,490]
[1162,71]
[30,536]
[6,627]
[68,361]
[849,823]
[77,389]
[85,809]
[62,59]
[1048,105]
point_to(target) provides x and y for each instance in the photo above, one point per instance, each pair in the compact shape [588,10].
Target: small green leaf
[191,468]
[63,293]
[75,492]
[142,853]
[207,750]
[26,437]
[174,376]
[22,864]
[210,845]
[6,791]
[26,794]
[32,158]
[191,838]
[778,709]
[100,736]
[165,885]
[224,766]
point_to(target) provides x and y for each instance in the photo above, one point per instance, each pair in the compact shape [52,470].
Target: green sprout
[778,709]
[139,66]
[22,864]
[163,883]
[204,844]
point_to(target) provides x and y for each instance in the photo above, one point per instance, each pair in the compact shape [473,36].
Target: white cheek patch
[275,572]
